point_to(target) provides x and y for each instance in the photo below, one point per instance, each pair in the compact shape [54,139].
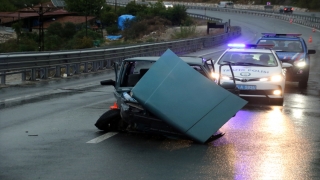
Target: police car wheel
[109,120]
[303,83]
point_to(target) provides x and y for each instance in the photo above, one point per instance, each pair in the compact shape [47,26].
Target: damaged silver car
[170,96]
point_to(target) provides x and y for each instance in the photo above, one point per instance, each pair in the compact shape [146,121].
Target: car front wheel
[109,120]
[303,83]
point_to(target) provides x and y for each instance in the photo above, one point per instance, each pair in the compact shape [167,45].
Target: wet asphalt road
[47,132]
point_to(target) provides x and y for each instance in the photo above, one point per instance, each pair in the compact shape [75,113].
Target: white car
[257,70]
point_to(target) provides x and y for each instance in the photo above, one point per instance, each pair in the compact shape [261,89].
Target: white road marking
[102,137]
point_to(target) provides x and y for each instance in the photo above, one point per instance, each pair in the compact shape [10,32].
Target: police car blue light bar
[237,45]
[268,46]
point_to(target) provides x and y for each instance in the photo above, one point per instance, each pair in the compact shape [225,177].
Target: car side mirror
[108,82]
[311,51]
[286,65]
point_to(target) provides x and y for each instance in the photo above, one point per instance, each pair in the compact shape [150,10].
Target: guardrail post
[68,69]
[85,67]
[40,72]
[58,71]
[24,75]
[94,66]
[109,64]
[101,65]
[33,74]
[45,73]
[3,77]
[76,69]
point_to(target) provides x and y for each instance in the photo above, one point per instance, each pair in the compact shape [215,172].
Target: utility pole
[41,12]
[86,18]
[115,5]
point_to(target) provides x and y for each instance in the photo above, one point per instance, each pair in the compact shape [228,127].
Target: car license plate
[246,87]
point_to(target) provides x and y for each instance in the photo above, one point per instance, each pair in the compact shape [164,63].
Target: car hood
[290,56]
[250,71]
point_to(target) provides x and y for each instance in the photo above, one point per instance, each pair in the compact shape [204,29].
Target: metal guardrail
[41,64]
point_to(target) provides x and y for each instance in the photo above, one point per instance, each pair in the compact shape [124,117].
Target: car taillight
[285,8]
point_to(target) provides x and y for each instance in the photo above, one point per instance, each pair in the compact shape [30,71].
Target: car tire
[277,102]
[109,120]
[303,83]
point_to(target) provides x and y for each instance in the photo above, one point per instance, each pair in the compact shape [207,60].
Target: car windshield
[284,45]
[249,59]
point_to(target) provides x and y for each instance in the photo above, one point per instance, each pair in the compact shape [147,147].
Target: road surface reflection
[267,144]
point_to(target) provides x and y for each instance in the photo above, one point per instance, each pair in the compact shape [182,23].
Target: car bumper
[296,74]
[260,94]
[263,89]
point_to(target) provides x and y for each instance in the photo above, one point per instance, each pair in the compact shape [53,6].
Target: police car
[257,71]
[291,48]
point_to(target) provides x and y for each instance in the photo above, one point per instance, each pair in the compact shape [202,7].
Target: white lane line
[102,137]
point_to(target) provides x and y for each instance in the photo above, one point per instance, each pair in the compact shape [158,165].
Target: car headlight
[277,92]
[216,76]
[300,63]
[264,79]
[275,78]
[225,78]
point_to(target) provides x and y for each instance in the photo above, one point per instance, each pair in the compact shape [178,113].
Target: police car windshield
[249,59]
[284,45]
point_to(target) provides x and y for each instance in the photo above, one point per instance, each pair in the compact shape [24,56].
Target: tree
[6,5]
[17,26]
[53,42]
[133,8]
[54,29]
[177,14]
[68,31]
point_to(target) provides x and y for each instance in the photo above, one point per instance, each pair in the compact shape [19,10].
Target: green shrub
[52,43]
[185,32]
[84,42]
[113,29]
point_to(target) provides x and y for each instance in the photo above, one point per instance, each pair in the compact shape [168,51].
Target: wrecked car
[170,96]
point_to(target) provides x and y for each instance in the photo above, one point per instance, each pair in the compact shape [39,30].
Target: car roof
[281,37]
[189,60]
[276,36]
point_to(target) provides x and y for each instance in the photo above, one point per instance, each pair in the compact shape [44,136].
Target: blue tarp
[122,19]
[113,37]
